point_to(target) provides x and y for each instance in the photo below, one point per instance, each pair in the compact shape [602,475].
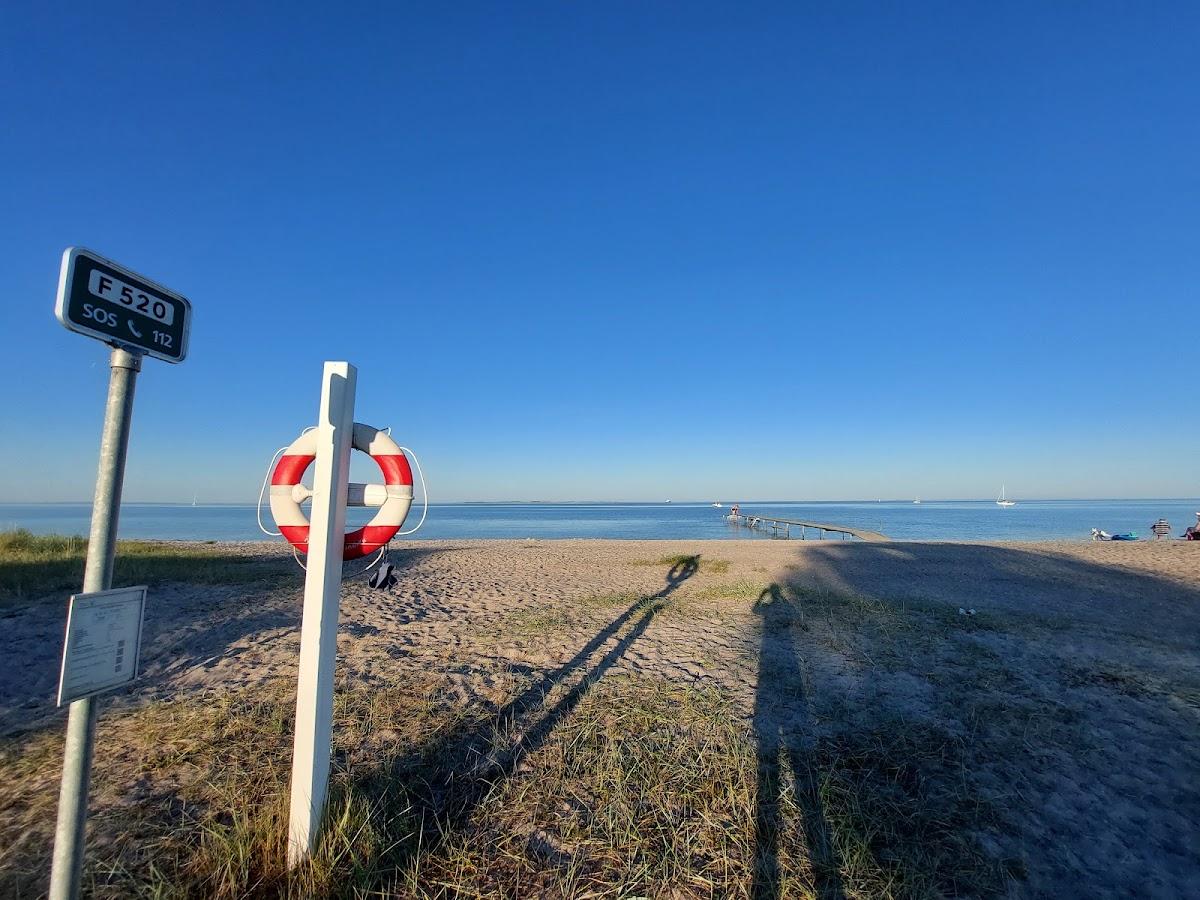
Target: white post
[322,597]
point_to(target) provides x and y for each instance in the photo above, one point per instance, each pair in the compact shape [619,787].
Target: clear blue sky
[620,250]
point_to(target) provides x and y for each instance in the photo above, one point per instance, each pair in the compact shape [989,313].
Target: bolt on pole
[67,867]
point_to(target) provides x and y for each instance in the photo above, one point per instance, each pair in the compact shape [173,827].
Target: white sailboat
[1003,501]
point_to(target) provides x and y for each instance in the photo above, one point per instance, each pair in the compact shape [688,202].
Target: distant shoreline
[942,521]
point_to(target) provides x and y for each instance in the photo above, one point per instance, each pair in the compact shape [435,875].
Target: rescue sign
[104,300]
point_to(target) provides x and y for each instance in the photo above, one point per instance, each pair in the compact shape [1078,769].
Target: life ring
[287,492]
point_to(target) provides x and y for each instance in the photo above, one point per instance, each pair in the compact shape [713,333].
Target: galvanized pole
[67,867]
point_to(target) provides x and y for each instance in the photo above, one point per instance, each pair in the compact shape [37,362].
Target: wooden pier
[782,528]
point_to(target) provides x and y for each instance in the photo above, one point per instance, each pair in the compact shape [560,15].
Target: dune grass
[36,565]
[647,788]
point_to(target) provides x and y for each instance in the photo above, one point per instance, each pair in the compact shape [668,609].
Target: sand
[1079,666]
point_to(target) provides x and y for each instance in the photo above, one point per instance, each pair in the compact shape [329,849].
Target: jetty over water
[783,527]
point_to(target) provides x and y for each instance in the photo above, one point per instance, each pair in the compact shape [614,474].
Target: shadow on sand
[1042,583]
[1074,673]
[782,734]
[469,764]
[198,611]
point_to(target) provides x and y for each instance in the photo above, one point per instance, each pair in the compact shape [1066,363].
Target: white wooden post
[322,597]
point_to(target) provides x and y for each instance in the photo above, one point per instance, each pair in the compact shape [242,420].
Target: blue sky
[620,250]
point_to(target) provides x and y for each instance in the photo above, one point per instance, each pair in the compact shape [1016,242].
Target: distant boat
[717,505]
[666,501]
[194,496]
[917,500]
[1003,501]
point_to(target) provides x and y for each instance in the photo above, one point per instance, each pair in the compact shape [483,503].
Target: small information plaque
[104,639]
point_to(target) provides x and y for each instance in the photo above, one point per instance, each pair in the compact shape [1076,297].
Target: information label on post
[104,640]
[104,300]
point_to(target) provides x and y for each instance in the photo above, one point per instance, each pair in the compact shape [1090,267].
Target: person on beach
[1161,529]
[1193,531]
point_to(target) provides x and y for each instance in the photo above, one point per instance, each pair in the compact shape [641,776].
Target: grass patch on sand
[1132,681]
[715,566]
[542,619]
[35,565]
[637,787]
[745,590]
[190,797]
[903,816]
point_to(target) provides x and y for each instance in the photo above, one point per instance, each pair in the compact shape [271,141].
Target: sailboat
[1003,501]
[194,498]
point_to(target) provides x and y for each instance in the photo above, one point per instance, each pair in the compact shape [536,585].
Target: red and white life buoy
[395,495]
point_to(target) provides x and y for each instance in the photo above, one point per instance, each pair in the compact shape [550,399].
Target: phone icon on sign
[136,333]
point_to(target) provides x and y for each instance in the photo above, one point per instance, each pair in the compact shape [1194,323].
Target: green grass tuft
[536,619]
[36,565]
[743,590]
[716,566]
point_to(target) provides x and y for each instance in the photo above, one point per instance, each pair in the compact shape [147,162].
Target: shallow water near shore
[965,520]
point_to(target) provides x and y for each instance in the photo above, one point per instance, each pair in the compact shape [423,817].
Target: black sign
[103,300]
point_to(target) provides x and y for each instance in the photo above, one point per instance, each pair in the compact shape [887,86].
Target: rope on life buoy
[288,466]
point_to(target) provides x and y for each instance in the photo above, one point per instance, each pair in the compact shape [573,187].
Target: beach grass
[715,566]
[647,788]
[743,591]
[36,565]
[533,620]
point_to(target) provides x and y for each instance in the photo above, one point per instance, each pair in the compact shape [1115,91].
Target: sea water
[959,520]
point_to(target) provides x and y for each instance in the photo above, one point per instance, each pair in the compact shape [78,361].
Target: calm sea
[1029,520]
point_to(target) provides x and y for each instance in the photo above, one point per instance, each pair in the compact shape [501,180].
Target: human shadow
[781,723]
[470,764]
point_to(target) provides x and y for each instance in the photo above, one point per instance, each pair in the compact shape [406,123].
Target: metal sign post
[104,300]
[67,866]
[322,599]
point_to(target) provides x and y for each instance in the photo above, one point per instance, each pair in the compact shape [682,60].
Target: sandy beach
[1067,689]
